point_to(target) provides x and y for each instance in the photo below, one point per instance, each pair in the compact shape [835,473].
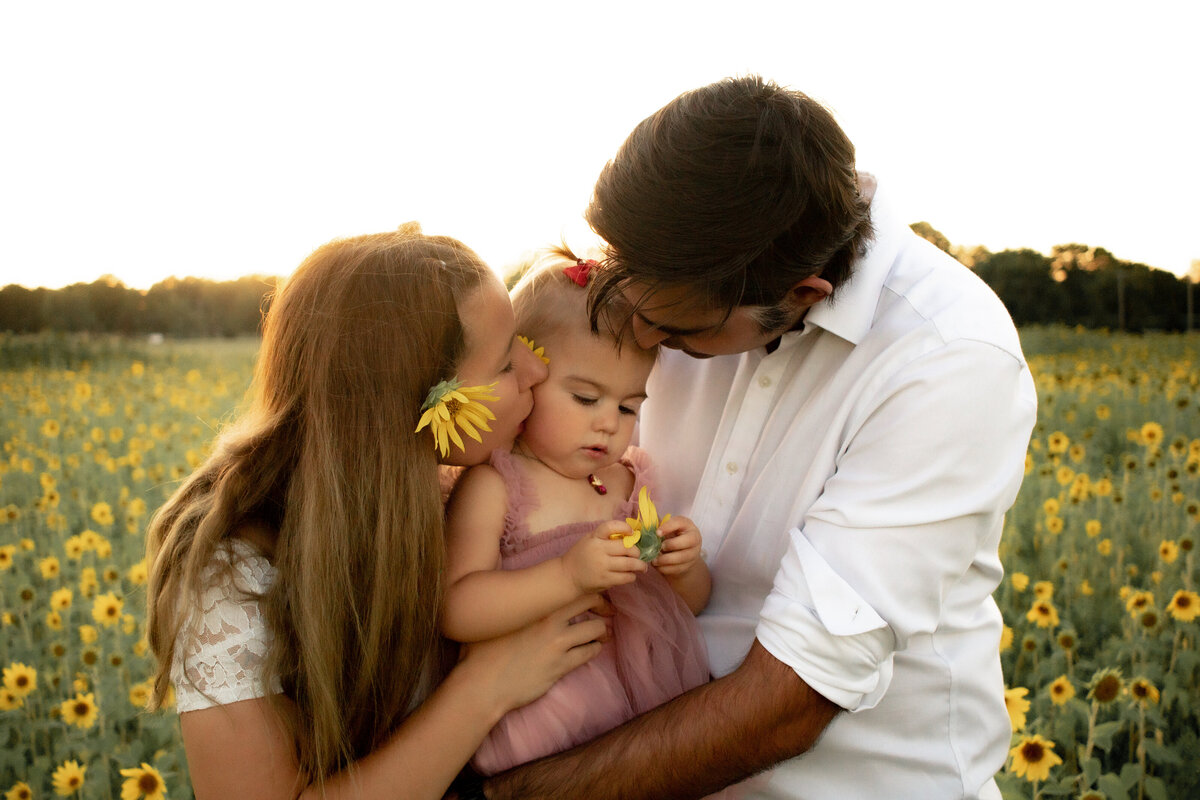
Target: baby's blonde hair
[548,303]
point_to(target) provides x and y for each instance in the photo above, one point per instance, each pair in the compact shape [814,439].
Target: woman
[296,575]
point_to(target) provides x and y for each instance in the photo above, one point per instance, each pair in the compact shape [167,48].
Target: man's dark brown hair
[738,190]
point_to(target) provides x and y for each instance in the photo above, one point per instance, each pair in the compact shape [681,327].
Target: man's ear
[809,291]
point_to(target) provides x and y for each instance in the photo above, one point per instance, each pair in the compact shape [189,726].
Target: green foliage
[187,307]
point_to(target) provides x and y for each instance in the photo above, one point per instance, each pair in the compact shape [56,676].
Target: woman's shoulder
[239,566]
[222,646]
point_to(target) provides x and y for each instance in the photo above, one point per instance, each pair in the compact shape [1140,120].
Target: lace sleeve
[221,648]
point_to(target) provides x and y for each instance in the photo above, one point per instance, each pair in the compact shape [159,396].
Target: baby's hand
[680,546]
[596,562]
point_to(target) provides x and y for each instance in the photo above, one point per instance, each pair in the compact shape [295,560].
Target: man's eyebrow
[671,330]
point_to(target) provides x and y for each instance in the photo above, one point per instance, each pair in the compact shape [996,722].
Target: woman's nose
[531,370]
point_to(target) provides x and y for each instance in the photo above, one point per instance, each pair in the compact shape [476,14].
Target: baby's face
[584,412]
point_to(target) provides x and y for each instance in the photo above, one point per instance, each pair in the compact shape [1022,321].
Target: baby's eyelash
[584,401]
[627,410]
[508,367]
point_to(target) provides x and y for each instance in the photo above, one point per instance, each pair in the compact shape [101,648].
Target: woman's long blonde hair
[325,458]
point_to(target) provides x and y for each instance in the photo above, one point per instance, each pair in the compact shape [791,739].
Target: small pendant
[597,484]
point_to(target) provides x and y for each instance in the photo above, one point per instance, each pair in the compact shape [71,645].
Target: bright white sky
[219,138]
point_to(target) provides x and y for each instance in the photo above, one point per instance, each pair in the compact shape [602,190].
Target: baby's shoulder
[619,478]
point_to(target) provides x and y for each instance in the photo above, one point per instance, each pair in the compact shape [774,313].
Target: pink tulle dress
[656,651]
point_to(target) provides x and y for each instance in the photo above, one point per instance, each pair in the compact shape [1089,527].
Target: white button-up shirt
[850,487]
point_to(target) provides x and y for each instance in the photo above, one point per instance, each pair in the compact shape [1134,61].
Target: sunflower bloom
[1184,606]
[1106,686]
[80,711]
[450,406]
[107,609]
[60,599]
[1043,613]
[1033,757]
[540,352]
[6,556]
[1139,602]
[644,529]
[144,781]
[68,778]
[1143,691]
[1151,434]
[1061,690]
[102,514]
[1006,638]
[19,791]
[1168,551]
[1020,581]
[1016,705]
[20,679]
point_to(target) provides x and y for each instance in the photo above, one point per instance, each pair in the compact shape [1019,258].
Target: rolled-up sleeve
[931,460]
[817,624]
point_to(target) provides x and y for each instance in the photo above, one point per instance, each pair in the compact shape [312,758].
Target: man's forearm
[714,735]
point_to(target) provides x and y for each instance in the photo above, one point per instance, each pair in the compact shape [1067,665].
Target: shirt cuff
[818,625]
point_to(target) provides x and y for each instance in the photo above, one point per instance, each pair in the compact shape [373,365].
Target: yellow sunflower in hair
[540,352]
[449,406]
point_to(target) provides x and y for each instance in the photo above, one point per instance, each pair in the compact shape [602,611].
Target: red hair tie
[579,272]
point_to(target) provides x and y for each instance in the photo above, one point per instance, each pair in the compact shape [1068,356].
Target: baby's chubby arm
[680,562]
[482,601]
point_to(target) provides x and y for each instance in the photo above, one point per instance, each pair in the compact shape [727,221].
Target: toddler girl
[535,529]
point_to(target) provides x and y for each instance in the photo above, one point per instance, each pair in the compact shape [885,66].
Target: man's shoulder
[946,298]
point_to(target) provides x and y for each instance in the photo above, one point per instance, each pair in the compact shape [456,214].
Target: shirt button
[731,467]
[764,381]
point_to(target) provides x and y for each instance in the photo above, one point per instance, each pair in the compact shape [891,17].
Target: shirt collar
[851,310]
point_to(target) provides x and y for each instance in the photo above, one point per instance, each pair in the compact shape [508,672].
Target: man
[844,411]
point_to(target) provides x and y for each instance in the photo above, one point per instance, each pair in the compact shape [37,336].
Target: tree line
[1075,284]
[1078,285]
[176,307]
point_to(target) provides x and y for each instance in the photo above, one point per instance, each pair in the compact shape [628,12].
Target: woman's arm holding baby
[681,564]
[483,601]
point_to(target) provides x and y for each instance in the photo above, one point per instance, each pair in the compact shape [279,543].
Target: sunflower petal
[453,434]
[468,428]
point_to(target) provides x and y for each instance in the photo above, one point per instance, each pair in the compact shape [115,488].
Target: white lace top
[221,660]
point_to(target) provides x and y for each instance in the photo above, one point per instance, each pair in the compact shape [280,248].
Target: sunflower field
[96,434]
[1099,598]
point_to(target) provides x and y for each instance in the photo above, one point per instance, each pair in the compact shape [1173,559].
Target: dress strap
[520,496]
